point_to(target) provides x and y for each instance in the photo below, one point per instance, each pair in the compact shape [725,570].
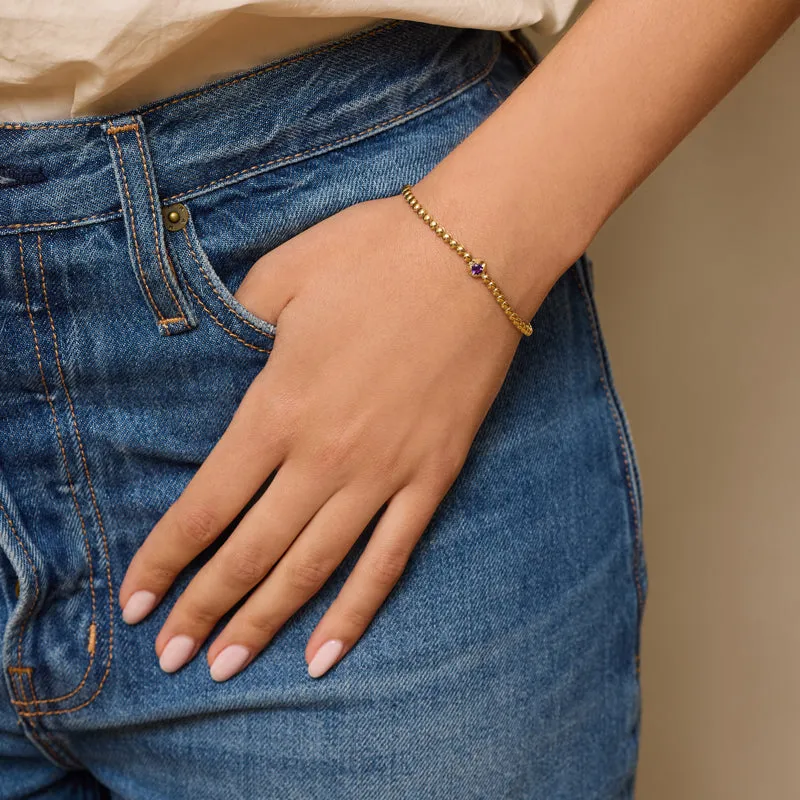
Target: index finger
[237,466]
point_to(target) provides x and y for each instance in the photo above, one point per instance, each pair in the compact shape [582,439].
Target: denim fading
[505,662]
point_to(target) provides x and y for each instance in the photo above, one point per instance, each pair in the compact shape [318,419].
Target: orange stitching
[489,83]
[92,638]
[131,126]
[66,710]
[182,98]
[35,581]
[525,54]
[18,686]
[477,76]
[105,215]
[111,622]
[229,332]
[20,690]
[133,228]
[99,522]
[171,319]
[18,126]
[617,422]
[63,452]
[56,745]
[37,734]
[216,291]
[256,166]
[155,224]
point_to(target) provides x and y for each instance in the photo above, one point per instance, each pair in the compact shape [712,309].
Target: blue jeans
[505,662]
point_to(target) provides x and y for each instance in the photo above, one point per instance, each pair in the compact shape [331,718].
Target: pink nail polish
[178,651]
[229,661]
[324,658]
[139,605]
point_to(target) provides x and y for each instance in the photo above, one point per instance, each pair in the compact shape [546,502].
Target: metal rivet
[16,588]
[175,217]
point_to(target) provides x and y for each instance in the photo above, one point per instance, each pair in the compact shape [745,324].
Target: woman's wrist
[530,187]
[525,246]
[525,215]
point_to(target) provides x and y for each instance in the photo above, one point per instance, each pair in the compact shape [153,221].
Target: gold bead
[525,327]
[173,216]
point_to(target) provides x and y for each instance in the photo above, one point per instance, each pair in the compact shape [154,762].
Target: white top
[69,58]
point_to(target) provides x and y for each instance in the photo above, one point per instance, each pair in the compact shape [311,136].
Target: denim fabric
[505,662]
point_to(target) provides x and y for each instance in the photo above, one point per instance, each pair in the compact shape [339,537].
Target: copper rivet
[176,216]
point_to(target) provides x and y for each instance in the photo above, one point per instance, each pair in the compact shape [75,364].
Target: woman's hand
[387,358]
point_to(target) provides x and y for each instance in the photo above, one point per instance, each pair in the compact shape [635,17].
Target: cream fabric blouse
[70,58]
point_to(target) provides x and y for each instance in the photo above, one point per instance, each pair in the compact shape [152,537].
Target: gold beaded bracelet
[476,268]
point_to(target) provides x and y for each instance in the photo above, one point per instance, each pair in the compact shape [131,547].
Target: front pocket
[219,234]
[209,291]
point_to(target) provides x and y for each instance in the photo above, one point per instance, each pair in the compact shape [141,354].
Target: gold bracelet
[476,268]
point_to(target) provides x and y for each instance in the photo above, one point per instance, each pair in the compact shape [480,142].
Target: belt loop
[144,229]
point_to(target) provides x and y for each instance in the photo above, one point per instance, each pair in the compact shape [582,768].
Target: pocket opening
[205,286]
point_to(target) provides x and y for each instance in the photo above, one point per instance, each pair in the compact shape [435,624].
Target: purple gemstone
[477,268]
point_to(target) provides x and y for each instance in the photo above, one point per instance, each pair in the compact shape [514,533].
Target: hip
[513,635]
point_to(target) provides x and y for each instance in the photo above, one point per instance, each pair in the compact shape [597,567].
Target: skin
[382,373]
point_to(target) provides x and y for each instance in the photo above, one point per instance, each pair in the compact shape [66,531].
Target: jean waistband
[60,173]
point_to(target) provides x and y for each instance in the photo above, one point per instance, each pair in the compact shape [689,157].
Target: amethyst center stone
[477,268]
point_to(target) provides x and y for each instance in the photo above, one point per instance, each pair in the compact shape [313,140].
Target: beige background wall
[698,283]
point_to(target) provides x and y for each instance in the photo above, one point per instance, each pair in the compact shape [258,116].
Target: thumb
[266,290]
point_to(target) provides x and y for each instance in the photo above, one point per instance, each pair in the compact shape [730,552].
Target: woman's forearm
[532,185]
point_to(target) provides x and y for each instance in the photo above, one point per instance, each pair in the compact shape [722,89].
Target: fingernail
[139,605]
[178,651]
[229,662]
[325,657]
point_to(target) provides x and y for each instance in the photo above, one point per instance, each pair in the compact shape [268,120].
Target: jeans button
[175,216]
